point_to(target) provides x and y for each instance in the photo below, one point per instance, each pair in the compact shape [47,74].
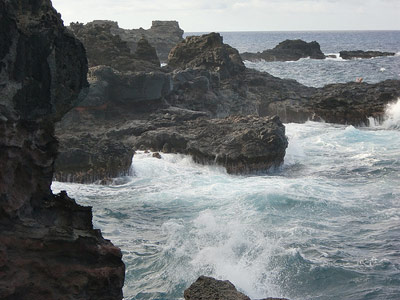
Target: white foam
[336,58]
[392,115]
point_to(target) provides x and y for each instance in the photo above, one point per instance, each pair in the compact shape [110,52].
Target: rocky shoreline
[205,81]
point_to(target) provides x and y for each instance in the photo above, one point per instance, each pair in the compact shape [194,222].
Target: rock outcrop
[240,144]
[163,35]
[48,247]
[204,82]
[288,50]
[104,48]
[208,288]
[363,54]
[207,52]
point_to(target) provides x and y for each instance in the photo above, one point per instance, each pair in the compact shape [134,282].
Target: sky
[239,15]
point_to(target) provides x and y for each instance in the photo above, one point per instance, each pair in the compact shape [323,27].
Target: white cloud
[233,15]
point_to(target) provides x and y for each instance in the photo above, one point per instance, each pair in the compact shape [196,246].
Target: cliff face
[163,35]
[48,247]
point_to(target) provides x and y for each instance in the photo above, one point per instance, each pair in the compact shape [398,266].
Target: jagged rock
[48,247]
[144,51]
[163,35]
[105,48]
[240,144]
[288,50]
[363,54]
[206,52]
[208,288]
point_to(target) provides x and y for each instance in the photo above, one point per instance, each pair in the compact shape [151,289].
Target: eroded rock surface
[48,247]
[288,50]
[163,35]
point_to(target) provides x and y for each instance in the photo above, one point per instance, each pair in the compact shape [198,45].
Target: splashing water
[392,115]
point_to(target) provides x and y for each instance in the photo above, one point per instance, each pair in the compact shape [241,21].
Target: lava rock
[48,247]
[363,54]
[206,52]
[288,50]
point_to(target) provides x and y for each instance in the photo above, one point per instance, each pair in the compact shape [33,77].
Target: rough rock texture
[205,78]
[104,48]
[206,52]
[48,247]
[363,54]
[163,35]
[288,50]
[240,144]
[208,288]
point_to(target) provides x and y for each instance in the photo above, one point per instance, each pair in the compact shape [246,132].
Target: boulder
[363,54]
[208,288]
[288,50]
[48,247]
[240,144]
[145,51]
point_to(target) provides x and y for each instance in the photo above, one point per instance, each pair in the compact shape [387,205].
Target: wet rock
[208,288]
[240,144]
[288,50]
[363,54]
[48,247]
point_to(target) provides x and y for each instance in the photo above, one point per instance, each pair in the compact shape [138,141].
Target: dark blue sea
[324,227]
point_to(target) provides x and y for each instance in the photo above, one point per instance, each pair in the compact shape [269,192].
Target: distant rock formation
[288,50]
[48,247]
[105,48]
[363,54]
[208,288]
[163,35]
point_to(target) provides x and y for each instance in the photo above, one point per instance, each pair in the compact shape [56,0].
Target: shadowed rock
[208,288]
[48,247]
[363,54]
[289,50]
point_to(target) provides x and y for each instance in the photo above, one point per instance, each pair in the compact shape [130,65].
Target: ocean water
[317,73]
[325,226]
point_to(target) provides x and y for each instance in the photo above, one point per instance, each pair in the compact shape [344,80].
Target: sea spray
[392,115]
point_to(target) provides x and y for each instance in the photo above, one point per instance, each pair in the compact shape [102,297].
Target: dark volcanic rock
[208,288]
[48,247]
[363,54]
[104,48]
[206,52]
[163,35]
[240,144]
[145,51]
[288,50]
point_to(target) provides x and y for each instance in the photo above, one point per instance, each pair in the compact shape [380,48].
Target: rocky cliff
[163,35]
[289,50]
[48,247]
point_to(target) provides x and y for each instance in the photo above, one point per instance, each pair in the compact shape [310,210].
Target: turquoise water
[326,226]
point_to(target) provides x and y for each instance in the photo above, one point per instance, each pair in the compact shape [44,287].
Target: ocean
[324,226]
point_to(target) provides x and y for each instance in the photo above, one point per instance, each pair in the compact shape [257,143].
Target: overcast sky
[239,15]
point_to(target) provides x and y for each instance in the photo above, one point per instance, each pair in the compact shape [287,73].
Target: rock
[363,54]
[206,52]
[144,51]
[48,247]
[105,48]
[240,144]
[163,35]
[208,288]
[156,155]
[288,50]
